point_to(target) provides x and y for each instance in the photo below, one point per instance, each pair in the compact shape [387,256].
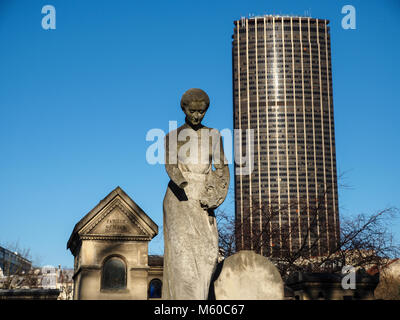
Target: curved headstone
[247,275]
[388,287]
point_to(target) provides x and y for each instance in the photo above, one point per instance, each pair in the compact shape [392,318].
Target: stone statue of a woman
[194,191]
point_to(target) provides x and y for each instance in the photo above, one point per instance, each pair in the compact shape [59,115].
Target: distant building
[65,283]
[13,263]
[21,281]
[282,90]
[49,277]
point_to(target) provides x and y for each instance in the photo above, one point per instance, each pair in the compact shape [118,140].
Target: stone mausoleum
[110,249]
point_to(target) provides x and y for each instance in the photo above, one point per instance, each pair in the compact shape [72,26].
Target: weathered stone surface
[195,190]
[389,282]
[248,276]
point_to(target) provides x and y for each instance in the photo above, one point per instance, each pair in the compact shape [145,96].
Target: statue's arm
[171,164]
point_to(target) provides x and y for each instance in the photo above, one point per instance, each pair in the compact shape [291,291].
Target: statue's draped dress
[190,235]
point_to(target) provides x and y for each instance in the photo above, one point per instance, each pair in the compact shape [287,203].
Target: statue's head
[194,104]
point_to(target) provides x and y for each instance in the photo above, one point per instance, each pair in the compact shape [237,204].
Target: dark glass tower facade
[282,90]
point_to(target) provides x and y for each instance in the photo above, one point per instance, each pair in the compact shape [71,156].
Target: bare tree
[296,241]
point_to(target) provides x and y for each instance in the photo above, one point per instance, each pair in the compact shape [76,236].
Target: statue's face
[195,112]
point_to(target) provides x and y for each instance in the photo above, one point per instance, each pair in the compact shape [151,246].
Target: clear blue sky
[76,103]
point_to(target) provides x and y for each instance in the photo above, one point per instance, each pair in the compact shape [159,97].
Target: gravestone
[248,276]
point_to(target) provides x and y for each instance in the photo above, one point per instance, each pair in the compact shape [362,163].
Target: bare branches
[299,235]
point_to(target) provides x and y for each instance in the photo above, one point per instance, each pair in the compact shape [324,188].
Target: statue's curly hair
[194,94]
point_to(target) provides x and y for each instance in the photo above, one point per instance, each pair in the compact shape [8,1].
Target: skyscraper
[282,90]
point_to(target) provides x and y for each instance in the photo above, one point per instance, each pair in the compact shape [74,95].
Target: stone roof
[147,228]
[156,261]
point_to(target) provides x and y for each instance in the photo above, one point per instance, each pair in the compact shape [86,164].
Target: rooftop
[287,16]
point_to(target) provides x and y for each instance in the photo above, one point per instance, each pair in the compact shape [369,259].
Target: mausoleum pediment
[116,217]
[116,220]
